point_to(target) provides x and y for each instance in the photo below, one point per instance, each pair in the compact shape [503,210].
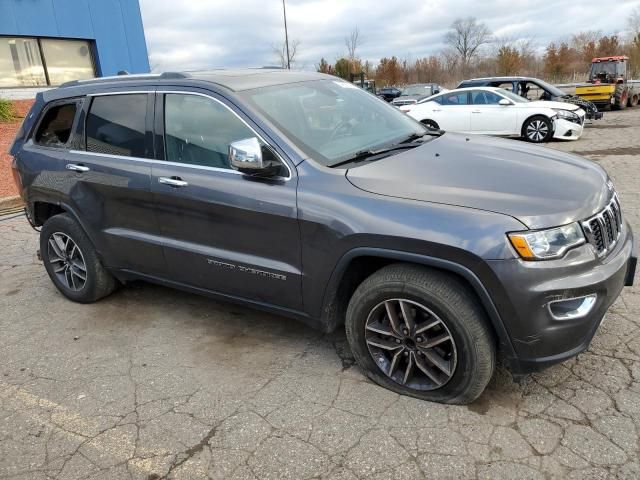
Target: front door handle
[173,182]
[77,168]
[476,111]
[436,110]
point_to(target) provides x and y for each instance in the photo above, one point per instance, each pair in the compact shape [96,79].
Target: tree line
[473,51]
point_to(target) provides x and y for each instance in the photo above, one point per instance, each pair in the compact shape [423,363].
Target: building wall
[114,25]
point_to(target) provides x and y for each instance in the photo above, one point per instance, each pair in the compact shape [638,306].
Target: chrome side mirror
[247,156]
[504,102]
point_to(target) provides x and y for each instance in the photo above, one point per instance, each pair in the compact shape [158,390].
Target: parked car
[389,93]
[301,194]
[534,89]
[414,93]
[494,111]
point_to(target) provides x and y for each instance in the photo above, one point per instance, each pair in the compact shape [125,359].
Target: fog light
[570,308]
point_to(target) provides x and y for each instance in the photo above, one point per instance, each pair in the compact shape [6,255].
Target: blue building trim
[114,26]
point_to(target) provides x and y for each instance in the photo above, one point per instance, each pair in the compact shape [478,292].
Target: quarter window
[116,125]
[56,125]
[198,130]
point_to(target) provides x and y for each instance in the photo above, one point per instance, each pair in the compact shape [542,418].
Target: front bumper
[566,130]
[538,337]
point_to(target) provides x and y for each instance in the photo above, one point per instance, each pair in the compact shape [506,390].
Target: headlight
[567,115]
[547,244]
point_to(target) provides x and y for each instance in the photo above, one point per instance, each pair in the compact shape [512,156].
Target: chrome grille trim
[604,228]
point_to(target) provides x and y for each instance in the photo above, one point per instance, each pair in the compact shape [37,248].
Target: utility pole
[286,34]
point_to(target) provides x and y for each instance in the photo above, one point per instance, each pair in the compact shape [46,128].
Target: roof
[236,80]
[617,58]
[498,79]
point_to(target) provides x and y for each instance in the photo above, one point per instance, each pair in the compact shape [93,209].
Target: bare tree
[466,36]
[280,52]
[634,22]
[352,41]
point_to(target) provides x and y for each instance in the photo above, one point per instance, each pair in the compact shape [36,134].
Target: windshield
[512,96]
[416,90]
[555,91]
[331,120]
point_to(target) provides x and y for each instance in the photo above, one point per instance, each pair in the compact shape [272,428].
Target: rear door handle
[77,168]
[173,182]
[436,110]
[476,111]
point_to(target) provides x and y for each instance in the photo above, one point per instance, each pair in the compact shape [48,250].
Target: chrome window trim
[159,162]
[178,164]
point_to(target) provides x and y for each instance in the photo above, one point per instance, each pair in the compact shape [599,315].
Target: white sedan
[495,111]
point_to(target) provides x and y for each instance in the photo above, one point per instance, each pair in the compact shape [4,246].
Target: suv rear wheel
[420,332]
[71,261]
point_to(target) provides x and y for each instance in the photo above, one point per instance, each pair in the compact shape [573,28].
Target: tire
[622,97]
[64,262]
[633,101]
[537,129]
[467,359]
[431,124]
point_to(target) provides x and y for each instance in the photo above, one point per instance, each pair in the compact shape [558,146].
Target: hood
[548,104]
[538,186]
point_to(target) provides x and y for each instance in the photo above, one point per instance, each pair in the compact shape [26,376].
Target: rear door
[489,117]
[108,179]
[452,111]
[223,231]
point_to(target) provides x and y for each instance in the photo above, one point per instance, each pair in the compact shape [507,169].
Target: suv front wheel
[421,332]
[71,261]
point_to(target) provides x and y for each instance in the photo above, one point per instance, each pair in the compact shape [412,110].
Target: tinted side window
[55,128]
[454,99]
[198,130]
[481,97]
[116,125]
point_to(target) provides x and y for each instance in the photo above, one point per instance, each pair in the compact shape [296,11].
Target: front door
[223,231]
[489,117]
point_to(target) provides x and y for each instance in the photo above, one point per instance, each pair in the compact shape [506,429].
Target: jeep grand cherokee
[301,194]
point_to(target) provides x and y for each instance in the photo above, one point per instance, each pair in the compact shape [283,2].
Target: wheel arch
[43,210]
[359,263]
[537,113]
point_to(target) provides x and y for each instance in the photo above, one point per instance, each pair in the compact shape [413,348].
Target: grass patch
[6,111]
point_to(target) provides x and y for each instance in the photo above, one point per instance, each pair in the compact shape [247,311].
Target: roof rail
[122,77]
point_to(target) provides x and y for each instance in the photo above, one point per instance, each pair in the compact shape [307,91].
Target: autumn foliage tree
[508,61]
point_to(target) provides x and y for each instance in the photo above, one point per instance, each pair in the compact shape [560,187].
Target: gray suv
[301,194]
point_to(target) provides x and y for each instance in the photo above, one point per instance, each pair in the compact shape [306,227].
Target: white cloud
[200,34]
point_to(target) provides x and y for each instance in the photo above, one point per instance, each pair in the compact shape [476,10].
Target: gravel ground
[152,383]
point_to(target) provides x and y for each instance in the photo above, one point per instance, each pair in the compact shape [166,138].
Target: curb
[11,203]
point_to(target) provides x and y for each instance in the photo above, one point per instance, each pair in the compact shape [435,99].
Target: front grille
[603,229]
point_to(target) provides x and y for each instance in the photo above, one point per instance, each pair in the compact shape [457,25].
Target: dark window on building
[55,128]
[116,125]
[41,62]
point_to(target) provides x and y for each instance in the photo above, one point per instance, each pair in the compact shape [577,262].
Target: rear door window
[116,125]
[459,98]
[56,125]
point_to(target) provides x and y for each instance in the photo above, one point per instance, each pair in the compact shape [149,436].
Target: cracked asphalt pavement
[152,383]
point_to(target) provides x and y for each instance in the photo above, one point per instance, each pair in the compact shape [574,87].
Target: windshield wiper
[367,154]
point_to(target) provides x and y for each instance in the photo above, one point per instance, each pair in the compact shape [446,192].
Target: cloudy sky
[200,34]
